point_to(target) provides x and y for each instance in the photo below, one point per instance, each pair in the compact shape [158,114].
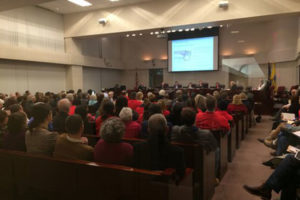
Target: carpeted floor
[246,167]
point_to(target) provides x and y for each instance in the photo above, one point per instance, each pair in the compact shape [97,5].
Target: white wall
[22,76]
[32,27]
[97,79]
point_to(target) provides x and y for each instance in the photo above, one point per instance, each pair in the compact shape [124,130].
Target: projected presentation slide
[196,54]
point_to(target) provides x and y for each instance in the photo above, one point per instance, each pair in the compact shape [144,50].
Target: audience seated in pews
[189,133]
[14,139]
[110,148]
[38,139]
[157,153]
[71,145]
[133,128]
[210,119]
[106,111]
[63,107]
[237,105]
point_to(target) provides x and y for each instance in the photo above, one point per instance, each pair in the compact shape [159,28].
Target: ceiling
[11,4]
[66,7]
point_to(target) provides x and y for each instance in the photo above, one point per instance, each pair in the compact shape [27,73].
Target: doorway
[155,77]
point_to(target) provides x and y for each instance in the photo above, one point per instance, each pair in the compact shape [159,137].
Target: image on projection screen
[195,54]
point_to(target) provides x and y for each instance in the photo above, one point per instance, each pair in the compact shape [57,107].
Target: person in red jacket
[210,119]
[133,103]
[237,105]
[107,111]
[133,129]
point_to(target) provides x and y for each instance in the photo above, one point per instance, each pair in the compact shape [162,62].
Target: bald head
[157,124]
[64,105]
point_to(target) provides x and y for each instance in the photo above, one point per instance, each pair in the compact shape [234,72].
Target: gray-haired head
[126,114]
[157,124]
[64,105]
[112,130]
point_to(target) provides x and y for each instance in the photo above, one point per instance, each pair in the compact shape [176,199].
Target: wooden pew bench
[34,177]
[201,161]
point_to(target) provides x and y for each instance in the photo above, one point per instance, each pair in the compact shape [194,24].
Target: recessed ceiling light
[241,41]
[192,29]
[209,27]
[114,0]
[173,31]
[180,30]
[140,34]
[156,33]
[82,3]
[187,29]
[133,35]
[221,25]
[151,33]
[235,32]
[127,35]
[169,31]
[163,32]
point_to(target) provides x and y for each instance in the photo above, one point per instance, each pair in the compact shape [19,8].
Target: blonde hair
[139,96]
[200,101]
[126,114]
[237,100]
[243,96]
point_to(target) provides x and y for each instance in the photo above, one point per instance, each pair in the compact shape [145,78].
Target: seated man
[188,133]
[59,120]
[157,153]
[71,145]
[210,119]
[285,179]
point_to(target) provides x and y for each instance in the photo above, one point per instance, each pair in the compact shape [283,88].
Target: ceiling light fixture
[169,31]
[221,25]
[114,0]
[156,33]
[151,33]
[241,41]
[127,35]
[192,29]
[209,27]
[173,31]
[133,35]
[141,34]
[82,3]
[180,30]
[187,29]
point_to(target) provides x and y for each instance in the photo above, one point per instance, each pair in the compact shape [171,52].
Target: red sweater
[133,130]
[237,108]
[98,124]
[212,121]
[225,114]
[72,110]
[113,153]
[133,103]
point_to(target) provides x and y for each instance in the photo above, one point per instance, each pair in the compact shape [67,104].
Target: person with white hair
[63,106]
[162,93]
[133,129]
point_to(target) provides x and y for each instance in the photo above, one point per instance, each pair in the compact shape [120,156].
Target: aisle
[246,167]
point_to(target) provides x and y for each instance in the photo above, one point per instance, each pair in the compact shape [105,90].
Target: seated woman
[157,153]
[163,106]
[133,129]
[222,110]
[110,149]
[38,139]
[15,137]
[106,111]
[83,112]
[237,105]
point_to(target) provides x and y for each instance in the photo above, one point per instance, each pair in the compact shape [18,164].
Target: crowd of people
[281,139]
[56,124]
